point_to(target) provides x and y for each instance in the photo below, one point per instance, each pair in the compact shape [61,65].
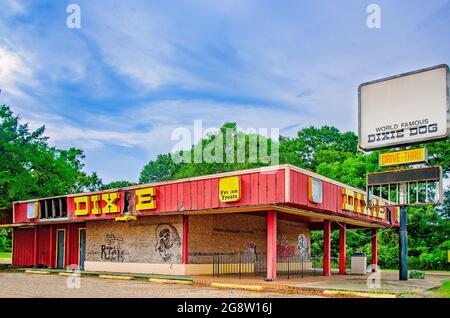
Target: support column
[68,247]
[35,256]
[185,251]
[342,249]
[403,245]
[50,256]
[374,249]
[271,245]
[326,248]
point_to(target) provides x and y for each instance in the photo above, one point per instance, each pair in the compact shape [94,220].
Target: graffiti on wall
[112,250]
[168,242]
[283,247]
[302,245]
[251,248]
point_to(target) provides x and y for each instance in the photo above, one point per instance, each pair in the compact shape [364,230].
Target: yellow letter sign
[79,203]
[110,206]
[145,199]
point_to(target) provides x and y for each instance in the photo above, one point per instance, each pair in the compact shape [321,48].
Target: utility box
[359,263]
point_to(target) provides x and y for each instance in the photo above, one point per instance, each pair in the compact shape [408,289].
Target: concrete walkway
[388,283]
[309,285]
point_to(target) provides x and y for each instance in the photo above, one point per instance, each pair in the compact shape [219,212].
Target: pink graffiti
[284,249]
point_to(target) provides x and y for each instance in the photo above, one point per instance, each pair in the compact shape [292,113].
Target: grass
[437,271]
[5,255]
[444,290]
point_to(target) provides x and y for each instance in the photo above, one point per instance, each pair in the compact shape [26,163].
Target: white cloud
[14,72]
[157,121]
[13,7]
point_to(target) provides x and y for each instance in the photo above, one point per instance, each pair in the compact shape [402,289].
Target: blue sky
[136,70]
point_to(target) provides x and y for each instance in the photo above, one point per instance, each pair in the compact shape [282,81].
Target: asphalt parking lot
[16,285]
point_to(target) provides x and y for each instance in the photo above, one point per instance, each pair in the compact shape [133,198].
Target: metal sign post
[403,244]
[403,235]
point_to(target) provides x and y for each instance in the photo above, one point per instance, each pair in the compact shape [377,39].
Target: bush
[5,240]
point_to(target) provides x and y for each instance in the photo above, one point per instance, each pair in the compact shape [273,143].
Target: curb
[116,277]
[359,294]
[237,286]
[170,281]
[37,272]
[70,274]
[108,275]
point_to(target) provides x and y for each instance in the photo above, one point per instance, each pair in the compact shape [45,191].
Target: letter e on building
[145,199]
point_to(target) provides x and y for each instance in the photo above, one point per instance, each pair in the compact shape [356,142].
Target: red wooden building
[178,227]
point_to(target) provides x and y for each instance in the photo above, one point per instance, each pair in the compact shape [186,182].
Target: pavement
[51,283]
[385,283]
[373,285]
[20,284]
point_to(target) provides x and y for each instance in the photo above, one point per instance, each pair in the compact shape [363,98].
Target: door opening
[60,248]
[82,248]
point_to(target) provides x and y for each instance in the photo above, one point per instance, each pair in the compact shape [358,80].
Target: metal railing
[250,264]
[240,264]
[245,264]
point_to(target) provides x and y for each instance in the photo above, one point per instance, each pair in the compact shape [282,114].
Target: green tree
[352,170]
[227,143]
[313,146]
[444,210]
[162,169]
[117,185]
[30,168]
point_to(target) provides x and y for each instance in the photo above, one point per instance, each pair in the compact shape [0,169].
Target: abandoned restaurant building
[183,227]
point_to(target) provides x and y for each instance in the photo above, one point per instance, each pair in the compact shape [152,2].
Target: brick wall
[158,239]
[153,239]
[239,233]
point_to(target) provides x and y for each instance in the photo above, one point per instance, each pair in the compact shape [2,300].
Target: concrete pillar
[271,245]
[326,248]
[342,249]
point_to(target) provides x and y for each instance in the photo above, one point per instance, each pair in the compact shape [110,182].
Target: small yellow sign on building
[403,157]
[230,189]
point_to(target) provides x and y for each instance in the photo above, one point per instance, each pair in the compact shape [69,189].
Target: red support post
[326,248]
[271,245]
[50,251]
[68,249]
[185,251]
[374,249]
[35,256]
[342,249]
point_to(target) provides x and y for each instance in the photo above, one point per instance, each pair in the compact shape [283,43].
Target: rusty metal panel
[405,175]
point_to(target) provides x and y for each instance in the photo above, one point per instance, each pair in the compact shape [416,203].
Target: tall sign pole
[403,244]
[403,230]
[403,235]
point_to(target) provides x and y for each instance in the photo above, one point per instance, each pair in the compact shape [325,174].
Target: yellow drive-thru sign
[403,157]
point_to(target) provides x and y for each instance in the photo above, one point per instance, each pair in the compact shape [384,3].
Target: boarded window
[53,208]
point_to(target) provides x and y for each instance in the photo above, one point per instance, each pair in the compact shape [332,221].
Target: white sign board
[404,109]
[32,210]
